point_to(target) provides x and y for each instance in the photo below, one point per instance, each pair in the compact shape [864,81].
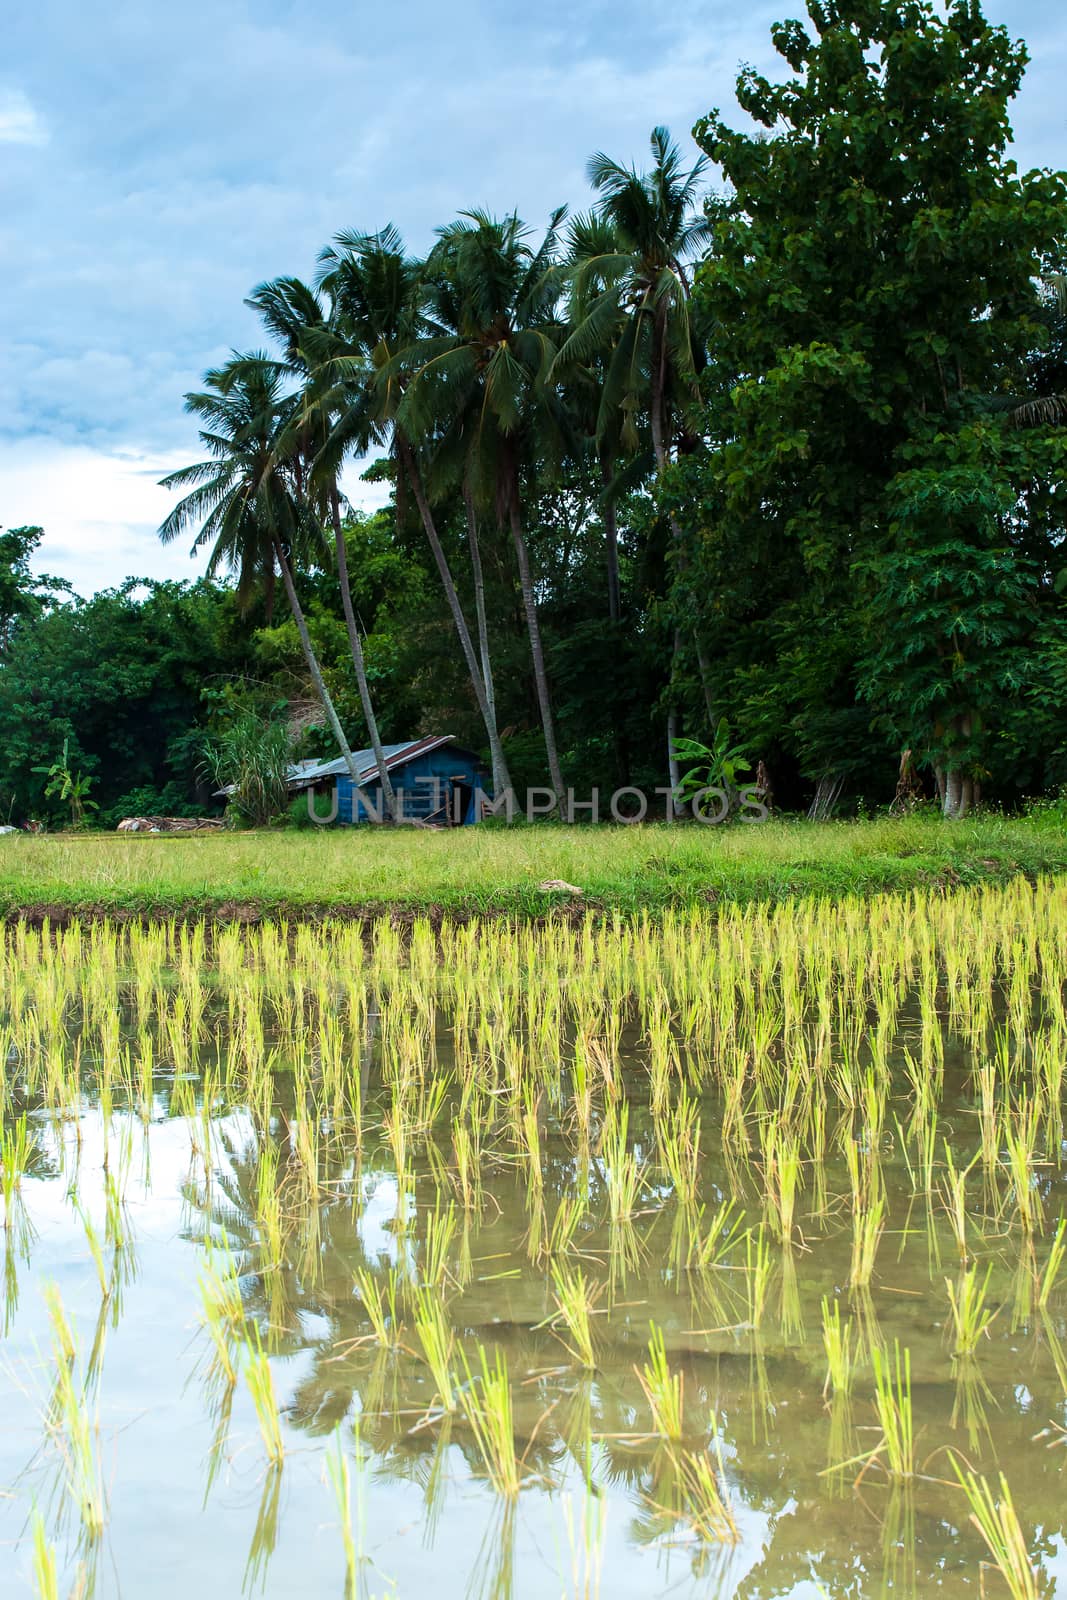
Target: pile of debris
[170,824]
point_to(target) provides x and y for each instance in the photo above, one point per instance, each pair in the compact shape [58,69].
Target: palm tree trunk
[316,673]
[356,647]
[611,540]
[533,625]
[611,534]
[501,776]
[656,422]
[499,779]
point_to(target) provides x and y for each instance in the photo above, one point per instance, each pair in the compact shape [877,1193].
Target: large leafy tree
[23,595]
[861,515]
[125,680]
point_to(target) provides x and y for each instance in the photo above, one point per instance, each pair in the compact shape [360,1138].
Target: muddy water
[194,1510]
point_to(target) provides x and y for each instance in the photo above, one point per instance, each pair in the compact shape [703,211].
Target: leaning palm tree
[242,499]
[295,316]
[477,393]
[377,292]
[634,290]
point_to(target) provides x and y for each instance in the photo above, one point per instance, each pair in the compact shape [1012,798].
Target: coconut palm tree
[295,316]
[242,498]
[477,392]
[377,292]
[635,293]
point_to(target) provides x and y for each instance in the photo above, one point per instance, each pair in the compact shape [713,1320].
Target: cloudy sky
[158,160]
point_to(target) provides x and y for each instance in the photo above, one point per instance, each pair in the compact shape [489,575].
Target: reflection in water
[549,1242]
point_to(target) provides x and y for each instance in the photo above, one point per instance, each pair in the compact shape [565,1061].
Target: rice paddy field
[716,1253]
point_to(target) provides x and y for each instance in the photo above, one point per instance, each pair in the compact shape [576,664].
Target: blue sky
[156,161]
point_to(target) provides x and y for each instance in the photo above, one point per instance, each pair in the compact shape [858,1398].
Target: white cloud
[166,193]
[100,512]
[19,122]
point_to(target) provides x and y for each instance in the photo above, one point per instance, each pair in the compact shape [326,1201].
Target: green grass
[493,870]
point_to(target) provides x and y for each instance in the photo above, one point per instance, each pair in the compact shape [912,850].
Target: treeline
[784,451]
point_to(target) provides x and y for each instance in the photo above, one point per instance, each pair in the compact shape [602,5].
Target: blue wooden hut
[435,781]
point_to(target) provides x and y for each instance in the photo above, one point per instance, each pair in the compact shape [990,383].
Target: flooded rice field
[720,1256]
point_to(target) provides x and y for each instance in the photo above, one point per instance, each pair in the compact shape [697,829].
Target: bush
[251,759]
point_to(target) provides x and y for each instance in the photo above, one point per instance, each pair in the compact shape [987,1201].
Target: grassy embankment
[489,870]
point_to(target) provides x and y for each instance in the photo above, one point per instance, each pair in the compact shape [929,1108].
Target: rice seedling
[663,1389]
[16,1148]
[222,1310]
[440,1233]
[997,1521]
[260,1382]
[575,1302]
[679,1149]
[868,1222]
[952,1191]
[971,1316]
[1054,1263]
[758,1270]
[380,1301]
[892,1396]
[782,1174]
[92,1239]
[840,1356]
[486,1403]
[45,1570]
[437,1341]
[73,1424]
[1021,1133]
[710,1243]
[702,1500]
[623,1173]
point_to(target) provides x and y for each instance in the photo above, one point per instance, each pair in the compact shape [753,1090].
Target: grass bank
[361,872]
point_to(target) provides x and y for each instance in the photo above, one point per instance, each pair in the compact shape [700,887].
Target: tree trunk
[675,771]
[356,647]
[662,454]
[611,538]
[957,786]
[500,777]
[410,467]
[611,534]
[316,673]
[533,625]
[950,805]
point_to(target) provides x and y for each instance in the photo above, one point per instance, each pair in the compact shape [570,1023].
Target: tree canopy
[770,439]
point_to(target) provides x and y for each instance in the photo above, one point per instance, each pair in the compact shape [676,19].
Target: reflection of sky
[157,1432]
[157,1429]
[157,162]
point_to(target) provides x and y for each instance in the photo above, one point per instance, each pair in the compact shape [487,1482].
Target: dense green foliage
[879,535]
[768,447]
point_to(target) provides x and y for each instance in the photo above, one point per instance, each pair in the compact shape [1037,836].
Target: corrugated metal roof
[304,773]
